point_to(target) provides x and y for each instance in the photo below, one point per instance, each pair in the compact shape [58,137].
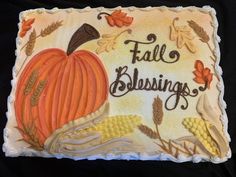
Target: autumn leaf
[182,35]
[108,42]
[202,75]
[117,18]
[26,26]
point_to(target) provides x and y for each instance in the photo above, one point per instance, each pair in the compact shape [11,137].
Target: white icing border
[127,156]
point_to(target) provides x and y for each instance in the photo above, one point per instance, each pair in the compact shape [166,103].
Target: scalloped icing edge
[126,156]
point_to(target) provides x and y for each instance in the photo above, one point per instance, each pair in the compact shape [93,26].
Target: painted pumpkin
[57,87]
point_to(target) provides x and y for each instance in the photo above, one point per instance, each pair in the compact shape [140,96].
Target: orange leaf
[26,26]
[203,75]
[29,22]
[206,72]
[199,80]
[22,33]
[119,19]
[199,66]
[197,73]
[110,21]
[209,79]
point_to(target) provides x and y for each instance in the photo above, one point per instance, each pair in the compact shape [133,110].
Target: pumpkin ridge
[102,70]
[20,122]
[56,97]
[72,91]
[92,88]
[42,135]
[35,62]
[63,87]
[66,103]
[26,113]
[31,65]
[39,110]
[21,83]
[49,91]
[24,118]
[84,94]
[42,117]
[96,78]
[76,95]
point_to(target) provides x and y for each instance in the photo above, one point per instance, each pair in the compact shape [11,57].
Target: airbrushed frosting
[14,148]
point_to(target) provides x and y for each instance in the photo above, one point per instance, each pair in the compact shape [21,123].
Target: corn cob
[114,126]
[199,128]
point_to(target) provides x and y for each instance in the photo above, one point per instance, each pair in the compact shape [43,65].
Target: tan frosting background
[145,22]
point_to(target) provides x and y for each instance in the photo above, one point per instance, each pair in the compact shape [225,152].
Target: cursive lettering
[125,83]
[157,54]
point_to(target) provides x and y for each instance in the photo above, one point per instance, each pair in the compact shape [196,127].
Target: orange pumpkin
[57,87]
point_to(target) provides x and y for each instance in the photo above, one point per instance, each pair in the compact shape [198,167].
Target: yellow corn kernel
[198,127]
[115,126]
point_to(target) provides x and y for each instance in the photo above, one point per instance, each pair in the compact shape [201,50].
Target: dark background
[33,167]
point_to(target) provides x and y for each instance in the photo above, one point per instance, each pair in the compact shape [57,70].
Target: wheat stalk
[32,39]
[202,34]
[157,111]
[30,83]
[49,29]
[148,131]
[199,31]
[30,44]
[37,92]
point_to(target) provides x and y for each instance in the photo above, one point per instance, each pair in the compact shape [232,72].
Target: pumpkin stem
[84,34]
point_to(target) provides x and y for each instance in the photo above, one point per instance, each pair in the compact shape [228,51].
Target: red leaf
[209,79]
[206,72]
[110,21]
[26,26]
[119,19]
[199,66]
[29,22]
[197,73]
[203,75]
[199,80]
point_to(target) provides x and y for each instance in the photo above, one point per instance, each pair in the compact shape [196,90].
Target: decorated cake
[121,83]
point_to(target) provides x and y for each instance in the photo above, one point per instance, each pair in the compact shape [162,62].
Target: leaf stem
[159,137]
[173,22]
[127,30]
[99,17]
[211,51]
[185,150]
